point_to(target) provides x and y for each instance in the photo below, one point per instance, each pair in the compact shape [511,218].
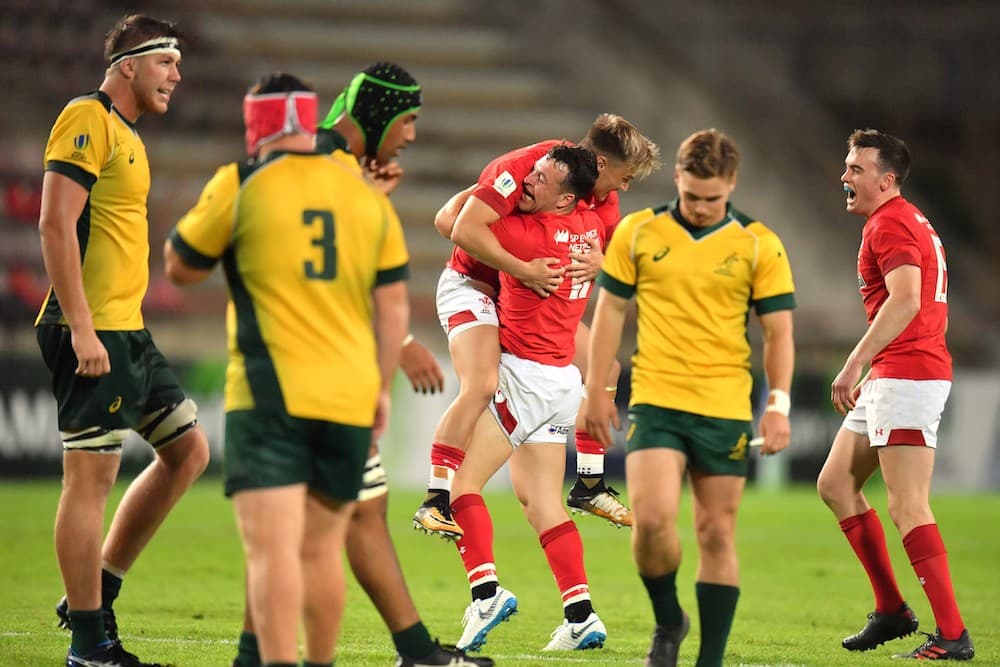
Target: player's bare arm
[472,234]
[63,200]
[178,271]
[903,285]
[605,338]
[444,221]
[421,368]
[779,361]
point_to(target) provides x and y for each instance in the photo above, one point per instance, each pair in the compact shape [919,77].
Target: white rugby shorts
[899,412]
[536,402]
[461,306]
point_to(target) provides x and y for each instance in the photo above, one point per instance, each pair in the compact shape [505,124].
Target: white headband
[155,45]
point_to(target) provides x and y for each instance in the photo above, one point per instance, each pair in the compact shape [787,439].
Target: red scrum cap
[269,116]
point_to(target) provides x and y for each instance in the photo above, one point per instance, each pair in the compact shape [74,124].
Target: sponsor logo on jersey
[861,282]
[660,255]
[561,236]
[81,141]
[505,184]
[131,157]
[558,430]
[116,405]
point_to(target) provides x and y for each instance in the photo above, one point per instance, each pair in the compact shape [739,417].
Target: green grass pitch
[802,589]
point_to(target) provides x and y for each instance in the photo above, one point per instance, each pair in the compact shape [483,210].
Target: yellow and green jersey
[95,146]
[304,240]
[694,288]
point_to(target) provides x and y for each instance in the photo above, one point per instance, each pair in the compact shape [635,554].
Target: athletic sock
[716,609]
[414,642]
[445,460]
[111,586]
[247,651]
[662,593]
[564,551]
[476,545]
[929,559]
[867,538]
[589,454]
[88,631]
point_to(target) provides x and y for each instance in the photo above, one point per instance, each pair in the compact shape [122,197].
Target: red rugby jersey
[532,327]
[896,234]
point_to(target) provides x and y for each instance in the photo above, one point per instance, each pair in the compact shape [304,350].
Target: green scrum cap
[374,99]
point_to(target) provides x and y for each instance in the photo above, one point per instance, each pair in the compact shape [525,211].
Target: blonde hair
[615,138]
[708,154]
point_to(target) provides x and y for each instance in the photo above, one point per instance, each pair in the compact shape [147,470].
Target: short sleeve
[80,142]
[894,245]
[203,234]
[773,288]
[394,258]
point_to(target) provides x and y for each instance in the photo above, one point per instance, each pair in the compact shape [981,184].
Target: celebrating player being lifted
[466,298]
[536,401]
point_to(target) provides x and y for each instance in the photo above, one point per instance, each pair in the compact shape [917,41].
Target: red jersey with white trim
[896,234]
[499,187]
[535,328]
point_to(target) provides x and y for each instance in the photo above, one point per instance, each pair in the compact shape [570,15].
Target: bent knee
[482,385]
[833,488]
[188,454]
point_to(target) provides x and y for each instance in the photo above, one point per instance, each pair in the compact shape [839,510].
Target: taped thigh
[96,439]
[165,425]
[375,481]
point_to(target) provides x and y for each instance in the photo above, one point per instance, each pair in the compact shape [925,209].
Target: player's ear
[127,67]
[888,178]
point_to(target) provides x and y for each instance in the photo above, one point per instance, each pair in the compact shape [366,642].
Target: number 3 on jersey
[327,268]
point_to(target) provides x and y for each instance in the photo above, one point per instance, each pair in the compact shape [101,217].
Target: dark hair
[893,155]
[134,29]
[708,154]
[279,82]
[581,168]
